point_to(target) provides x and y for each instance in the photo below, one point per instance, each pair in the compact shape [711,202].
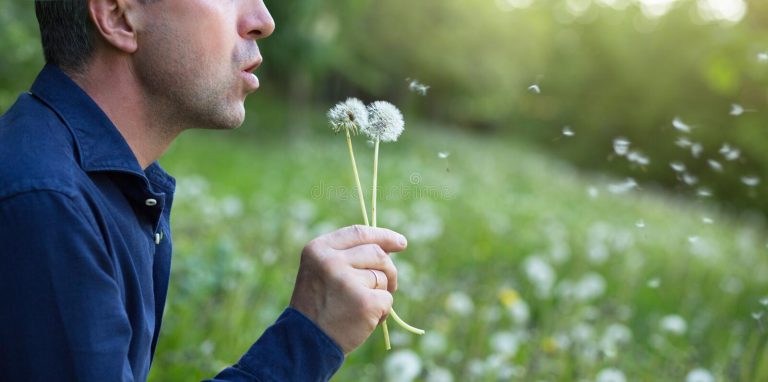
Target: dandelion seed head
[540,274]
[673,324]
[610,375]
[402,365]
[736,110]
[439,374]
[699,375]
[349,115]
[568,132]
[681,126]
[621,146]
[505,343]
[385,122]
[750,181]
[459,303]
[535,89]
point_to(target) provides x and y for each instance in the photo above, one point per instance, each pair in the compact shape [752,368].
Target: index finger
[352,236]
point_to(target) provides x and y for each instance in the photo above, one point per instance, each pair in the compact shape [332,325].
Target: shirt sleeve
[292,349]
[62,315]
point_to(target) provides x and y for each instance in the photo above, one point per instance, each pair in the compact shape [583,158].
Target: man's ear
[114,22]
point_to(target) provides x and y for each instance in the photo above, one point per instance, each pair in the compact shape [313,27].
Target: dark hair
[67,32]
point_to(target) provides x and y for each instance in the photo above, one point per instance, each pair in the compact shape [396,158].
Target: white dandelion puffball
[349,115]
[610,375]
[385,122]
[402,365]
[699,375]
[673,324]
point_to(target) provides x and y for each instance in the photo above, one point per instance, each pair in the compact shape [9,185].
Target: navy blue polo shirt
[85,254]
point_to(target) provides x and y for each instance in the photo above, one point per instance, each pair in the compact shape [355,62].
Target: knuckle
[361,232]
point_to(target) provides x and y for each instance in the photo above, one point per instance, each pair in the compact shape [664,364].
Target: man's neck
[114,87]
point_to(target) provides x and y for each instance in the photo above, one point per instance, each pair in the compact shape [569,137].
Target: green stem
[357,180]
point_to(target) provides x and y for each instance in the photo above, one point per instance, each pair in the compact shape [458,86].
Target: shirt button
[157,238]
[151,202]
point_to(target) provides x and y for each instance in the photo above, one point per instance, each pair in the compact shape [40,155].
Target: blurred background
[582,183]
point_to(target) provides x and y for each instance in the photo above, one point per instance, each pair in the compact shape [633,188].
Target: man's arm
[62,315]
[336,304]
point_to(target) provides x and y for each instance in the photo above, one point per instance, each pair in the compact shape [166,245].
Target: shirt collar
[99,144]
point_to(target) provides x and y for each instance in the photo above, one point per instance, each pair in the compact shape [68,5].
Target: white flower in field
[439,374]
[715,165]
[349,115]
[610,375]
[736,110]
[750,181]
[620,188]
[589,287]
[402,365]
[654,283]
[673,324]
[505,343]
[621,146]
[699,375]
[680,125]
[459,303]
[568,132]
[231,206]
[443,154]
[433,343]
[615,335]
[683,142]
[704,192]
[540,274]
[762,57]
[638,158]
[520,312]
[385,122]
[535,89]
[677,166]
[418,88]
[696,149]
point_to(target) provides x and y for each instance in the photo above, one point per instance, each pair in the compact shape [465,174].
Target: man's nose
[256,22]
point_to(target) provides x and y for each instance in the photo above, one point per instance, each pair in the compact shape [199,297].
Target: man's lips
[250,78]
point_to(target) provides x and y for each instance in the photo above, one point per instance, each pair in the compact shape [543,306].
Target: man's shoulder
[37,151]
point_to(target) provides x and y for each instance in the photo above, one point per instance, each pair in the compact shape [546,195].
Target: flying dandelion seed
[715,165]
[704,192]
[736,110]
[443,154]
[568,132]
[535,89]
[620,188]
[757,315]
[764,301]
[637,158]
[640,223]
[707,220]
[681,126]
[699,375]
[593,192]
[683,142]
[677,166]
[654,283]
[762,57]
[621,146]
[750,181]
[417,87]
[696,149]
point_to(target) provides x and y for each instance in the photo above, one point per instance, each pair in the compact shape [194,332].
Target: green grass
[247,204]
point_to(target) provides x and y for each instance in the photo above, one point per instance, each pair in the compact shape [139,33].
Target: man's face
[194,59]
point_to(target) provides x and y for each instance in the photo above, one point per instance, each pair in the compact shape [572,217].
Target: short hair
[67,33]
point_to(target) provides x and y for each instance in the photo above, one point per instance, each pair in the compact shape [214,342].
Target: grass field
[519,267]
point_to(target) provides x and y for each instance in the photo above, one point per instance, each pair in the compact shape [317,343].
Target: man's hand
[336,286]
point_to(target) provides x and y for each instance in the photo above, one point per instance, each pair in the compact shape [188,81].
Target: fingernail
[402,241]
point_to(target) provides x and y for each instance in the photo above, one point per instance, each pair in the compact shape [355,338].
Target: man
[85,245]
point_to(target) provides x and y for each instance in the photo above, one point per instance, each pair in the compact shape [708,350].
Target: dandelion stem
[357,179]
[397,318]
